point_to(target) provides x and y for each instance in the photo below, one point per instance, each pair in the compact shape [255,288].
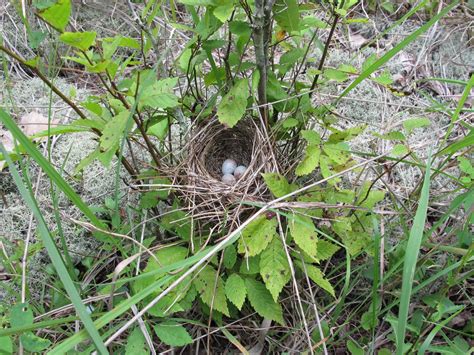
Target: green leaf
[136,343]
[6,346]
[34,343]
[286,14]
[57,15]
[223,10]
[230,256]
[235,290]
[354,348]
[257,235]
[317,277]
[35,38]
[312,137]
[250,265]
[339,152]
[399,150]
[326,250]
[114,130]
[21,314]
[160,95]
[334,74]
[79,40]
[278,184]
[232,106]
[465,166]
[173,334]
[411,257]
[304,233]
[262,301]
[413,123]
[159,129]
[383,79]
[210,292]
[274,268]
[310,161]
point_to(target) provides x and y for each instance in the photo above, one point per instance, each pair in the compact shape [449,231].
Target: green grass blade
[400,46]
[31,150]
[55,257]
[424,347]
[411,257]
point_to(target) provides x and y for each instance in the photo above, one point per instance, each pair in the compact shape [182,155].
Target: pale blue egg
[228,167]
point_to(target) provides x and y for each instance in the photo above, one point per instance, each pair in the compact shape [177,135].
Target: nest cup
[210,144]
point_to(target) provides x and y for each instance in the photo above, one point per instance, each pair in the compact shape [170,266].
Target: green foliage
[274,268]
[235,290]
[79,40]
[136,343]
[261,300]
[278,184]
[211,289]
[56,14]
[232,106]
[304,234]
[257,235]
[173,334]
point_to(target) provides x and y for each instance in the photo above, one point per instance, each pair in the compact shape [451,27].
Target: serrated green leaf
[304,234]
[372,198]
[262,301]
[317,277]
[172,333]
[465,166]
[290,123]
[257,235]
[79,40]
[274,268]
[210,292]
[57,15]
[136,343]
[310,161]
[413,123]
[235,290]
[312,137]
[230,256]
[232,106]
[326,250]
[278,184]
[337,152]
[160,95]
[114,130]
[286,14]
[250,265]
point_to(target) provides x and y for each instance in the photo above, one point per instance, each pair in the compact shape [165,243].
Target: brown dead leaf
[35,122]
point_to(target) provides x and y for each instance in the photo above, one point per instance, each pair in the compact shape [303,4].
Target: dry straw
[208,199]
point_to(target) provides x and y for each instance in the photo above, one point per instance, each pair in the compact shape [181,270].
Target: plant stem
[325,53]
[261,38]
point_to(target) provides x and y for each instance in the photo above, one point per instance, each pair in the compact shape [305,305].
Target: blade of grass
[411,257]
[424,347]
[30,148]
[55,256]
[400,46]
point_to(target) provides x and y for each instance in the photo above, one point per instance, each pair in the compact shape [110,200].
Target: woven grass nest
[210,143]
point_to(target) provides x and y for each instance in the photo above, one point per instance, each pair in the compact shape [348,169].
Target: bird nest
[208,198]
